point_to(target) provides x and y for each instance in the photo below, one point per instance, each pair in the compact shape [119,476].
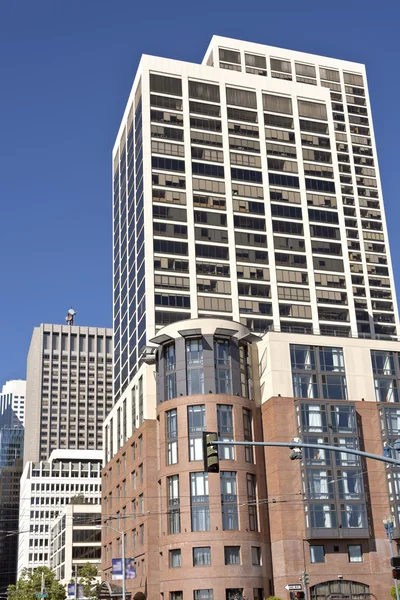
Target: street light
[122,534]
[388,523]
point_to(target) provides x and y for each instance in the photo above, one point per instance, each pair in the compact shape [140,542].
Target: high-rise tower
[248,187]
[253,297]
[69,389]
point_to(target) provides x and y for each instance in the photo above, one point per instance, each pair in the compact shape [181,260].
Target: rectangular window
[382,362]
[170,374]
[196,426]
[245,380]
[232,555]
[331,359]
[233,593]
[313,419]
[302,357]
[199,502]
[334,387]
[353,516]
[252,500]
[140,384]
[194,367]
[317,554]
[355,553]
[323,516]
[248,434]
[201,556]
[222,366]
[225,431]
[350,485]
[176,596]
[174,518]
[141,534]
[305,385]
[256,556]
[172,436]
[175,558]
[203,595]
[229,503]
[386,389]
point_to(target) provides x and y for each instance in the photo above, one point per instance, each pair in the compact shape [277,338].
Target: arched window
[343,590]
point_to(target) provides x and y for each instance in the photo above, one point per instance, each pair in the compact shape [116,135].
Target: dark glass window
[229,505]
[199,502]
[166,85]
[204,91]
[171,420]
[222,367]
[170,367]
[194,367]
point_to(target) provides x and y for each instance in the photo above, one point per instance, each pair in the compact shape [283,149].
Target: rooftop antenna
[70,316]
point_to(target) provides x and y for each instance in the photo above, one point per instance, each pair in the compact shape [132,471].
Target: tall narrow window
[225,431]
[170,371]
[140,401]
[196,426]
[174,517]
[111,437]
[248,434]
[222,366]
[252,500]
[244,371]
[172,436]
[199,502]
[133,399]
[194,367]
[106,446]
[331,363]
[118,428]
[229,503]
[124,424]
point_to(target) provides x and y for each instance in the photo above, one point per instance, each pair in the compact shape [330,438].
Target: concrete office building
[69,389]
[47,487]
[75,539]
[253,296]
[12,403]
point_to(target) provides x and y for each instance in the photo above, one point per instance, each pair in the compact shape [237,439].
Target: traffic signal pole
[211,465]
[293,445]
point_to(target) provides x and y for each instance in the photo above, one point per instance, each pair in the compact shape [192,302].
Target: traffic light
[297,595]
[395,562]
[305,578]
[396,573]
[210,452]
[296,453]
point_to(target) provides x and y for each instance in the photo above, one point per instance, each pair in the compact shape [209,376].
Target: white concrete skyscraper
[69,389]
[248,188]
[254,298]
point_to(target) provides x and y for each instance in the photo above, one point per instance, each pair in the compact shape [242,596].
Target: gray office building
[69,389]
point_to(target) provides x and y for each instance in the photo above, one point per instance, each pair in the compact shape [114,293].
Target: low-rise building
[46,488]
[75,539]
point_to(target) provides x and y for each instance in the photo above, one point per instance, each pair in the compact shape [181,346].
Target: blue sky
[66,69]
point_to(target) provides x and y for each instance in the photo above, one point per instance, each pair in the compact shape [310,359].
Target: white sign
[293,586]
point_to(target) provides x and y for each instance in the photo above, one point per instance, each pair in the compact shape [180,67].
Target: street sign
[42,595]
[293,587]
